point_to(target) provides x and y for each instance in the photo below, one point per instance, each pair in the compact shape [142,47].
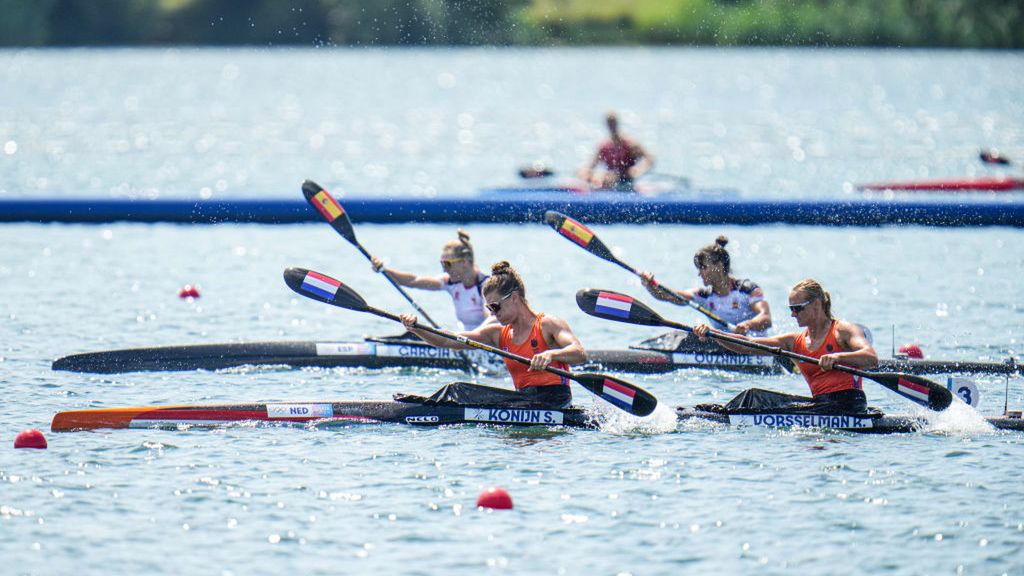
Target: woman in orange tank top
[545,340]
[824,337]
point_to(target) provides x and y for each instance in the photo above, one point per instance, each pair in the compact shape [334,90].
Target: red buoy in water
[912,351]
[188,291]
[494,498]
[30,438]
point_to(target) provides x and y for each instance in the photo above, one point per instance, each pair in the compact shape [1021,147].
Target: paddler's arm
[486,334]
[762,321]
[860,353]
[656,290]
[784,341]
[643,165]
[587,172]
[408,278]
[564,346]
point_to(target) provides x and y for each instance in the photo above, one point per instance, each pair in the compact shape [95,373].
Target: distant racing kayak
[983,184]
[649,185]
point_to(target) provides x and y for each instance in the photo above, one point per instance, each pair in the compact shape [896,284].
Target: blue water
[630,499]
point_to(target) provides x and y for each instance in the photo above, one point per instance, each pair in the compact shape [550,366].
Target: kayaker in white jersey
[461,279]
[738,302]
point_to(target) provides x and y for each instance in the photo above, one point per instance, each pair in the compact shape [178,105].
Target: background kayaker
[824,337]
[546,340]
[738,302]
[624,158]
[462,280]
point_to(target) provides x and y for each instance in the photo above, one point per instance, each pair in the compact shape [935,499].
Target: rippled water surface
[630,499]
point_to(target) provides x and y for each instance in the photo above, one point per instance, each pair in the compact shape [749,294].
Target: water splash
[661,421]
[958,419]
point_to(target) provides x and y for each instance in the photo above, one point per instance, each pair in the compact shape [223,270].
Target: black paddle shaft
[584,237]
[338,218]
[622,308]
[620,393]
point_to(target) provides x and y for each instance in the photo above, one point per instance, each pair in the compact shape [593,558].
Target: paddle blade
[324,288]
[619,307]
[917,389]
[329,208]
[580,235]
[619,393]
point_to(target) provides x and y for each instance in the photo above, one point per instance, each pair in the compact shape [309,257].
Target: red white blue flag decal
[618,394]
[613,304]
[913,390]
[320,285]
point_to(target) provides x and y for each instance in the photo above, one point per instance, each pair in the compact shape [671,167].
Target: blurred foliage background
[905,23]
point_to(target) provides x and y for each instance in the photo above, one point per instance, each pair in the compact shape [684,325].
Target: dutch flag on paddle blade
[618,394]
[320,285]
[613,304]
[913,390]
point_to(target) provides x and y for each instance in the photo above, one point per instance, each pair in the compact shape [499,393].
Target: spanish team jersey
[824,381]
[734,307]
[522,376]
[469,302]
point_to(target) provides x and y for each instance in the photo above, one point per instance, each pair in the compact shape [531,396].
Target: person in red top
[824,337]
[546,340]
[625,159]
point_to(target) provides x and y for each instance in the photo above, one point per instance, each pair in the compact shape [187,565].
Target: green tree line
[926,23]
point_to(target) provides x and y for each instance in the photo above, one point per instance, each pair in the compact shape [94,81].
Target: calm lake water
[634,498]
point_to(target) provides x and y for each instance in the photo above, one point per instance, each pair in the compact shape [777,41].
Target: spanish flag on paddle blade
[576,232]
[327,206]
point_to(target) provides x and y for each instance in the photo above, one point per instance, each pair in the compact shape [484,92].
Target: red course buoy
[494,498]
[912,351]
[30,438]
[188,291]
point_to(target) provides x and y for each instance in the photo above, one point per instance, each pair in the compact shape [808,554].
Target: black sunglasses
[798,308]
[493,307]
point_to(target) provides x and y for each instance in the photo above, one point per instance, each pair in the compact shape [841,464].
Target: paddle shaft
[772,350]
[397,286]
[595,246]
[678,300]
[468,342]
[343,226]
[624,395]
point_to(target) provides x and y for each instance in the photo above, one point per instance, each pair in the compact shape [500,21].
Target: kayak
[391,352]
[985,184]
[646,187]
[349,412]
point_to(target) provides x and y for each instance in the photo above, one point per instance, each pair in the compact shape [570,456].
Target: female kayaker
[545,340]
[461,279]
[738,302]
[824,337]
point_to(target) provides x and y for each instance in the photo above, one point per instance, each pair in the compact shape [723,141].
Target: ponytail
[714,253]
[504,280]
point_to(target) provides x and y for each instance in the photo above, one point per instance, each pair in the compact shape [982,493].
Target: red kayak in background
[984,184]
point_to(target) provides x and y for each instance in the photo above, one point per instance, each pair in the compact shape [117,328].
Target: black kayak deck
[389,353]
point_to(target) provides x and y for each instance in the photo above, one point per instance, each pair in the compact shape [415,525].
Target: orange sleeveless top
[824,381]
[522,376]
